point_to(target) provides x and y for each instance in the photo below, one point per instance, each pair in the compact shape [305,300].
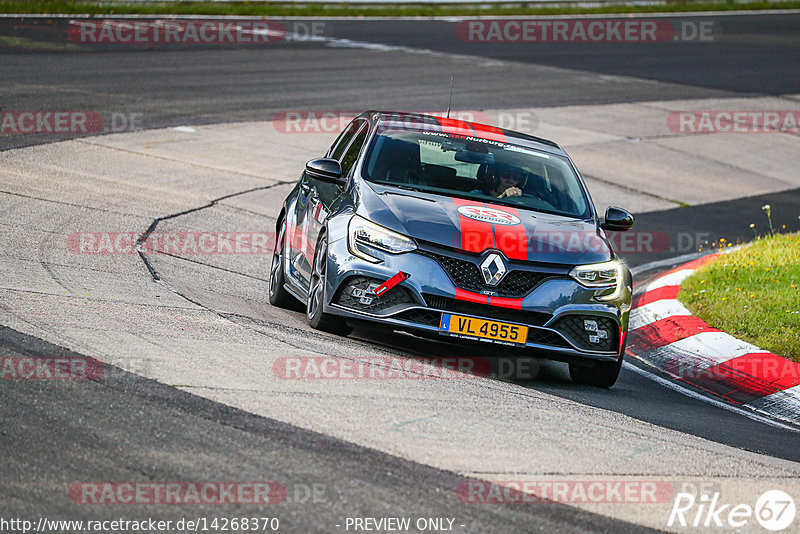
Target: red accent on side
[666,331]
[515,304]
[511,239]
[390,283]
[621,338]
[296,237]
[476,236]
[471,297]
[662,293]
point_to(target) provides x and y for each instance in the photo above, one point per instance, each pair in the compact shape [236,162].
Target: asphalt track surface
[169,85]
[760,55]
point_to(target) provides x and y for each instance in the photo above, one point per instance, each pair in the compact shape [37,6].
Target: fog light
[364,296]
[594,339]
[590,326]
[602,334]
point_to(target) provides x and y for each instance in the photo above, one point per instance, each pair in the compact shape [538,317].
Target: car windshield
[469,167]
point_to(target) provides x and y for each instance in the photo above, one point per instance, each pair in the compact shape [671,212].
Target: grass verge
[752,294]
[333,9]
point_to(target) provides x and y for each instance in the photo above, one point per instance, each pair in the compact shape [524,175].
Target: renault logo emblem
[493,269]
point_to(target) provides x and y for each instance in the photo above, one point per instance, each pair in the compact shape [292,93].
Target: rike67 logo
[774,510]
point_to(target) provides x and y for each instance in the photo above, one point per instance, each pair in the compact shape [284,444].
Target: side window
[343,141]
[350,156]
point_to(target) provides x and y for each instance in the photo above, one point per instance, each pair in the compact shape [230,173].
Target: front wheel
[316,295]
[602,374]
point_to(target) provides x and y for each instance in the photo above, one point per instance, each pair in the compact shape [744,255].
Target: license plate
[482,329]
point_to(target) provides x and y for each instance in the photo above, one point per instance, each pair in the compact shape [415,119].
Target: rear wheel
[602,374]
[316,295]
[278,296]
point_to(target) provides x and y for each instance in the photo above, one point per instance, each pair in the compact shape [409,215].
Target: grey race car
[456,229]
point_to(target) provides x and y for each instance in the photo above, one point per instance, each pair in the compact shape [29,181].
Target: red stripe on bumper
[515,304]
[471,297]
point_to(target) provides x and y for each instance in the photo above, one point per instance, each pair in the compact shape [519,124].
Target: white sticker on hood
[489,215]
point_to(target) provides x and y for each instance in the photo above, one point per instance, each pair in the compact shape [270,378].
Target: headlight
[362,234]
[606,275]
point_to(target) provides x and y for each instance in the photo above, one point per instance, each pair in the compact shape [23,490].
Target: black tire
[318,319]
[601,375]
[278,296]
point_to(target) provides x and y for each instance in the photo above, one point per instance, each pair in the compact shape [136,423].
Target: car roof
[413,121]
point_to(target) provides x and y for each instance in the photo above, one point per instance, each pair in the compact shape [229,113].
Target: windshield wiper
[407,187]
[403,186]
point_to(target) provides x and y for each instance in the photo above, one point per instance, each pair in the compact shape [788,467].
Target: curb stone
[665,335]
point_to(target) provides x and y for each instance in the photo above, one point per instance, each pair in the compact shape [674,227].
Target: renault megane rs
[459,230]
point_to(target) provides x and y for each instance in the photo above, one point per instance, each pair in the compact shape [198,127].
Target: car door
[315,197]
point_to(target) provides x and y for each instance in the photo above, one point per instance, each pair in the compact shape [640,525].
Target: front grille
[420,316]
[485,310]
[467,275]
[393,297]
[573,327]
[545,337]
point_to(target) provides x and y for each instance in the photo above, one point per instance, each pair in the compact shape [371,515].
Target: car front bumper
[554,310]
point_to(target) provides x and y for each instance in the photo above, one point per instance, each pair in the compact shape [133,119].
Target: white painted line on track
[694,395]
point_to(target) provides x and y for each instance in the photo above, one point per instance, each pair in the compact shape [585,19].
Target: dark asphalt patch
[123,427]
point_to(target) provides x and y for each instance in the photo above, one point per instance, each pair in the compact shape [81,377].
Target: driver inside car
[502,180]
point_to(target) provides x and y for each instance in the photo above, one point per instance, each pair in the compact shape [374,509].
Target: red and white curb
[664,334]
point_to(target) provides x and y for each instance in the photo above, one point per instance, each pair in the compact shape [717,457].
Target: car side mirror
[617,219]
[327,170]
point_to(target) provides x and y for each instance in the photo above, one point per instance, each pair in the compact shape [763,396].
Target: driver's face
[508,179]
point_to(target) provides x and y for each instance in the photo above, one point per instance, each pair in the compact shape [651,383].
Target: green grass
[334,9]
[753,294]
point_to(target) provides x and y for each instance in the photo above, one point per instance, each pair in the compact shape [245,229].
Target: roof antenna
[449,100]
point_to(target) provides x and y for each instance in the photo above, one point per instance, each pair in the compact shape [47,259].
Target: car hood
[475,226]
